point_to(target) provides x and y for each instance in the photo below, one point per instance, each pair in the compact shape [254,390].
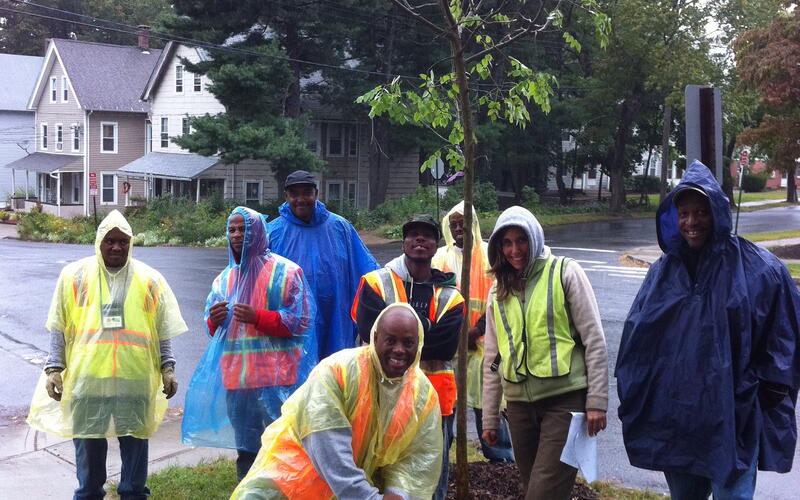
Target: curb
[633,261]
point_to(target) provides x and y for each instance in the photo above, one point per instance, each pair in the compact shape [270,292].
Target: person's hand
[473,334]
[218,313]
[54,385]
[490,436]
[392,496]
[170,382]
[595,421]
[244,313]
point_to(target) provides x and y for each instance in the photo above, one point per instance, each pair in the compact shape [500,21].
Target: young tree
[768,61]
[443,104]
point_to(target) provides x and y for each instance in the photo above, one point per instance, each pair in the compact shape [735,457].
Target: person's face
[236,227]
[396,343]
[302,199]
[419,243]
[115,247]
[515,247]
[457,229]
[695,221]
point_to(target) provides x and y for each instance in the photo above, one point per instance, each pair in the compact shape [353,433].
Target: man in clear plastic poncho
[260,317]
[448,259]
[365,425]
[331,254]
[709,361]
[111,320]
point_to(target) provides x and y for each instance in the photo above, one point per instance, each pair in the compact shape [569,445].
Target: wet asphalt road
[28,272]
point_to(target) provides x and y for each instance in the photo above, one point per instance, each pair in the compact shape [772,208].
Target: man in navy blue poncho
[332,256]
[709,362]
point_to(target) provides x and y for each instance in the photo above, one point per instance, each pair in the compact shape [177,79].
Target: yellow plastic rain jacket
[395,423]
[448,259]
[112,325]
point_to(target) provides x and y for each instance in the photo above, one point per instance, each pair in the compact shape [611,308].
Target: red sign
[92,184]
[745,158]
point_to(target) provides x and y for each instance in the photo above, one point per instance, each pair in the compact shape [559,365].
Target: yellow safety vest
[538,342]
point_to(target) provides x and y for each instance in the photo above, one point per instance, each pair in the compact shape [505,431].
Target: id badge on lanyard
[113,317]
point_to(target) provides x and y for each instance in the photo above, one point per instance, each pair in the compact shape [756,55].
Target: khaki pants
[538,433]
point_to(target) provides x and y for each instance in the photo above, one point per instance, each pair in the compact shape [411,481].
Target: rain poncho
[245,375]
[395,423]
[333,258]
[693,354]
[112,325]
[448,259]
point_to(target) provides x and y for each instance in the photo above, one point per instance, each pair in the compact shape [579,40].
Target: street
[28,272]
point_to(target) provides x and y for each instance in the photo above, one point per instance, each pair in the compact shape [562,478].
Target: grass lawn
[794,269]
[779,194]
[773,235]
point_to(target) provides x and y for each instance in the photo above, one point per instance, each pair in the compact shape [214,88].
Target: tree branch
[409,11]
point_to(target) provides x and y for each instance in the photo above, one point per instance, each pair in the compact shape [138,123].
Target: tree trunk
[791,183]
[562,188]
[662,191]
[727,180]
[291,106]
[459,67]
[378,162]
[616,171]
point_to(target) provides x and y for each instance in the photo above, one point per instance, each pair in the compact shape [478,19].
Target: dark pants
[90,462]
[538,433]
[501,452]
[684,486]
[249,417]
[447,438]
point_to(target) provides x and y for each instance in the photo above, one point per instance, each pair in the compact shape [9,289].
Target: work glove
[54,385]
[170,382]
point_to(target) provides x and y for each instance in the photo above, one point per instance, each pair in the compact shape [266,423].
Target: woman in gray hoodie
[545,351]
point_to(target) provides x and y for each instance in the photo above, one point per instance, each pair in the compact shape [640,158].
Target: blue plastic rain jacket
[693,354]
[333,258]
[245,374]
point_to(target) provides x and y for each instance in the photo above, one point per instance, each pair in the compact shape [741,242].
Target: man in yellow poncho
[449,259]
[111,320]
[365,425]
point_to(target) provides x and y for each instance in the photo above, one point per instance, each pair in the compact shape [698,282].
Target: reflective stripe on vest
[391,289]
[539,341]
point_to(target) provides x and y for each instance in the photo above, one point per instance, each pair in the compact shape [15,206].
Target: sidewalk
[8,231]
[38,465]
[645,256]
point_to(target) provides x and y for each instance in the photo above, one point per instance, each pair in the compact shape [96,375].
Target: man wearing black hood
[440,307]
[709,365]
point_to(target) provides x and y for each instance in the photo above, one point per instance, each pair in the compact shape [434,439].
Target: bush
[754,183]
[4,216]
[484,197]
[38,225]
[530,198]
[643,183]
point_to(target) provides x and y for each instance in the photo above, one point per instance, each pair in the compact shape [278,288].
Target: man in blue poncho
[260,317]
[328,249]
[709,363]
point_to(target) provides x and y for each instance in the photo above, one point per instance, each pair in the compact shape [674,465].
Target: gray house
[89,122]
[17,131]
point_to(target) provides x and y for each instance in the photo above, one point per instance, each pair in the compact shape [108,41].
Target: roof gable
[167,55]
[103,77]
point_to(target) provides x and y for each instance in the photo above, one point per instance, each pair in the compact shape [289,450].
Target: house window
[593,172]
[148,137]
[108,189]
[164,132]
[44,136]
[64,89]
[252,191]
[351,192]
[76,138]
[352,140]
[179,78]
[312,137]
[333,194]
[185,126]
[198,83]
[53,89]
[77,182]
[59,137]
[108,137]
[335,146]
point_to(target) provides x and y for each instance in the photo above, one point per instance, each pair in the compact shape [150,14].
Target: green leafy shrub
[38,225]
[484,197]
[754,183]
[4,216]
[643,183]
[530,198]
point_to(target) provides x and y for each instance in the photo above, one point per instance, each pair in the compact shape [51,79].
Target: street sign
[437,170]
[745,158]
[92,184]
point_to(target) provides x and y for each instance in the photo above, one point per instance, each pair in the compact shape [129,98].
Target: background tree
[768,61]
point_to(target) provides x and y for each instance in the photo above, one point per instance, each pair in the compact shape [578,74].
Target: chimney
[144,37]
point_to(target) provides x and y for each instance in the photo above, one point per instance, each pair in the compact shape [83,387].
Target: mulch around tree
[790,252]
[489,481]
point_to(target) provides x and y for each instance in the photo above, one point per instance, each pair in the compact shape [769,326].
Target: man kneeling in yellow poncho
[366,425]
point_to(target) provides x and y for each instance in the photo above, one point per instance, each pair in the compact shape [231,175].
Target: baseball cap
[681,191]
[423,219]
[299,177]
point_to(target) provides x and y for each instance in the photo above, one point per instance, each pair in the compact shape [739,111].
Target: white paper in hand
[580,450]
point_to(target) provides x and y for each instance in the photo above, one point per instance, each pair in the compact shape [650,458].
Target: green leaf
[576,45]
